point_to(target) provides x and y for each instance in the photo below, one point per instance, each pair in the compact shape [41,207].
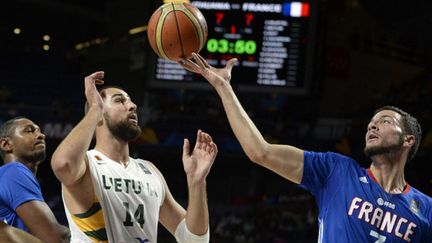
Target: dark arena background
[311,73]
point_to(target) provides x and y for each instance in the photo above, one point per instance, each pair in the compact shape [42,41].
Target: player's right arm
[68,161]
[41,222]
[14,235]
[284,160]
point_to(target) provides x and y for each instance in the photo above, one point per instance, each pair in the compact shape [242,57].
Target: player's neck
[390,176]
[115,149]
[31,165]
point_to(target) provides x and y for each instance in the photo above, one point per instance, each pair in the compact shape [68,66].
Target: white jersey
[130,198]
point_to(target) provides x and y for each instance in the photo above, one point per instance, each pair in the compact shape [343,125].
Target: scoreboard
[273,41]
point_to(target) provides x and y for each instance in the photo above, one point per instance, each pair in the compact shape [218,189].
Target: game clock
[239,47]
[272,40]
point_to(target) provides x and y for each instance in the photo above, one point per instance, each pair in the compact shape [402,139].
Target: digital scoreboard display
[273,41]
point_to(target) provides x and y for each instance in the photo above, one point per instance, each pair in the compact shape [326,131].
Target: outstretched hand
[92,95]
[215,76]
[197,165]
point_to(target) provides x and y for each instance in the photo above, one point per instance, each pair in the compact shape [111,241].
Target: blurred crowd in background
[369,61]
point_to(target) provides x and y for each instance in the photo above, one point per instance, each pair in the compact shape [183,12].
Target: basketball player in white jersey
[111,197]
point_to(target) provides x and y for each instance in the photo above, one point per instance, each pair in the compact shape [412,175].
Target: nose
[372,126]
[41,136]
[132,106]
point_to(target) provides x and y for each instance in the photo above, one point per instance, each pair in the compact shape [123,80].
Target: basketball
[175,30]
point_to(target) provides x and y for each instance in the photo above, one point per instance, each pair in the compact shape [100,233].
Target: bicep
[285,160]
[38,218]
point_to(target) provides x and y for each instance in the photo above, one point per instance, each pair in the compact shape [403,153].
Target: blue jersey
[17,186]
[353,207]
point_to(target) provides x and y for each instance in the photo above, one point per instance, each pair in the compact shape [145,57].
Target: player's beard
[123,130]
[35,156]
[384,148]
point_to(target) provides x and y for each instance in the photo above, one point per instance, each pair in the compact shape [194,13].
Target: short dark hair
[100,90]
[410,126]
[7,128]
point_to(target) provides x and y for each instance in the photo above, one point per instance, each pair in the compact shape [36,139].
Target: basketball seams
[178,27]
[198,29]
[159,29]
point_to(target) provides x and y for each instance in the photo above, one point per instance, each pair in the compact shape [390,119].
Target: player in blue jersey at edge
[22,148]
[355,204]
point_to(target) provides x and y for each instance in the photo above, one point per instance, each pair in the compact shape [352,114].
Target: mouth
[133,118]
[372,137]
[40,143]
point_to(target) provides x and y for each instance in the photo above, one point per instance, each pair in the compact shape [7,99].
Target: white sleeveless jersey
[130,198]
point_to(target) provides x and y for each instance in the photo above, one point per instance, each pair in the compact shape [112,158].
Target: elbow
[65,235]
[60,234]
[63,169]
[59,165]
[258,156]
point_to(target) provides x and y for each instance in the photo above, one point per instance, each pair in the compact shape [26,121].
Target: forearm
[68,160]
[197,215]
[244,129]
[57,234]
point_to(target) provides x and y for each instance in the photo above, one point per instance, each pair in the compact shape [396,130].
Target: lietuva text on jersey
[128,186]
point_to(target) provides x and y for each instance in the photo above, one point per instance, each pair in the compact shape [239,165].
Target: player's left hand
[197,165]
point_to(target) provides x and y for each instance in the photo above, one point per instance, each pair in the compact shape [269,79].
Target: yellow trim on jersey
[92,223]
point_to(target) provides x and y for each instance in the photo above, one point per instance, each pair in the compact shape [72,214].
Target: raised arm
[41,222]
[68,160]
[194,223]
[285,160]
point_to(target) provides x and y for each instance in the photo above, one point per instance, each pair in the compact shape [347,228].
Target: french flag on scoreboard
[296,9]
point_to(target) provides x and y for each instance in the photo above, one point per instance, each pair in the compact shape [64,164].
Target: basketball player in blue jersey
[22,148]
[355,204]
[111,197]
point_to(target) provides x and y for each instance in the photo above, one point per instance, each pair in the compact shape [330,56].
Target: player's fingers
[202,60]
[96,75]
[186,148]
[214,148]
[189,65]
[231,63]
[199,141]
[94,79]
[199,61]
[99,82]
[209,138]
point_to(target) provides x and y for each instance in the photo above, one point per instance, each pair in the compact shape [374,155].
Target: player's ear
[409,140]
[6,144]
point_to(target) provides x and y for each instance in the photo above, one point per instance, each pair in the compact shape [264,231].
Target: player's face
[28,142]
[385,133]
[121,114]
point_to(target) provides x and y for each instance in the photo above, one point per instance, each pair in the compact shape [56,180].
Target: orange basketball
[175,30]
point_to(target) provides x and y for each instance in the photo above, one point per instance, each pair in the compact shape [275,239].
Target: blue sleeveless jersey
[354,208]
